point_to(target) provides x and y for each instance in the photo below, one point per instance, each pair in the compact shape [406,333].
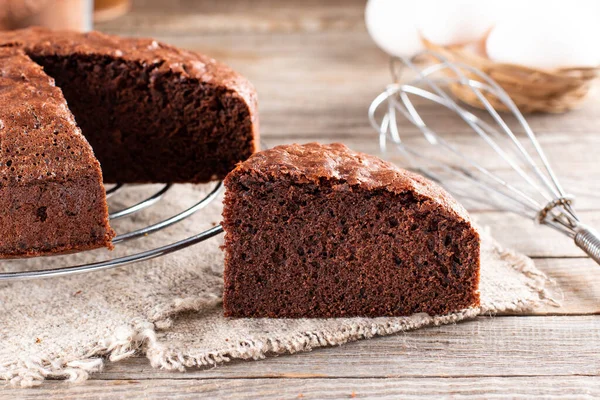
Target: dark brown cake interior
[297,248]
[145,124]
[53,217]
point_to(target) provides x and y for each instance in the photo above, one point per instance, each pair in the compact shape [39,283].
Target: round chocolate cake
[151,113]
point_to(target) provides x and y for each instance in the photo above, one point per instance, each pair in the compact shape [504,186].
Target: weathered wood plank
[387,388]
[192,17]
[501,346]
[577,285]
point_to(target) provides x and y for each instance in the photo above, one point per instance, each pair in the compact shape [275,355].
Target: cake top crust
[187,64]
[312,162]
[39,139]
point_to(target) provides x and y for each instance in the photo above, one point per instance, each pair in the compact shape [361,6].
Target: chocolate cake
[152,112]
[51,194]
[322,231]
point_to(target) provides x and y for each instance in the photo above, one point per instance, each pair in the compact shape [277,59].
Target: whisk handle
[588,241]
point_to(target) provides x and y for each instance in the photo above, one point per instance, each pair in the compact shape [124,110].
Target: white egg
[548,34]
[456,21]
[391,24]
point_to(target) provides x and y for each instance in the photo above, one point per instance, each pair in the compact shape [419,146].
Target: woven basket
[532,90]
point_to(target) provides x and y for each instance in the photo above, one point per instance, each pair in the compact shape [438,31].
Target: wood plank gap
[567,257]
[333,378]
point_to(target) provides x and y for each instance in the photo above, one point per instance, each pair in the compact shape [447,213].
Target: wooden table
[316,71]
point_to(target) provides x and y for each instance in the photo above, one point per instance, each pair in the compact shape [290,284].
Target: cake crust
[322,231]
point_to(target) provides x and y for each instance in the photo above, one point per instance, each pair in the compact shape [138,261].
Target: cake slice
[152,112]
[322,231]
[52,199]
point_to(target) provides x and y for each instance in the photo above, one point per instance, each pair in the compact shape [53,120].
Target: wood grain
[188,17]
[576,288]
[384,388]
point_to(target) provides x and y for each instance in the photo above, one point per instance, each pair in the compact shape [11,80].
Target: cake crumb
[327,215]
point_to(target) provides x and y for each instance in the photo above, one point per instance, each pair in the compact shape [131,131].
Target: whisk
[533,190]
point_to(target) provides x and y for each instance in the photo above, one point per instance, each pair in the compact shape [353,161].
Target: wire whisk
[522,181]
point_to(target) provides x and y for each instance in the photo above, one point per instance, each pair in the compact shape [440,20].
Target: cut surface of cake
[52,199]
[152,112]
[322,231]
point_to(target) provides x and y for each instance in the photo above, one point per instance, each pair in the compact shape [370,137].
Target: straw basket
[532,90]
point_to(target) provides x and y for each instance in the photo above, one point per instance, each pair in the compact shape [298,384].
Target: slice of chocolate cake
[152,112]
[51,194]
[322,231]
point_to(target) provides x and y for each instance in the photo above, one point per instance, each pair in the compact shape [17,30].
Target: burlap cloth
[169,308]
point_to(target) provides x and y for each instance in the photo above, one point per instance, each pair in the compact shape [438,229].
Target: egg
[391,25]
[544,34]
[456,22]
[548,35]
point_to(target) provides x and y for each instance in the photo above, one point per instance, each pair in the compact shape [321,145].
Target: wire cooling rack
[128,212]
